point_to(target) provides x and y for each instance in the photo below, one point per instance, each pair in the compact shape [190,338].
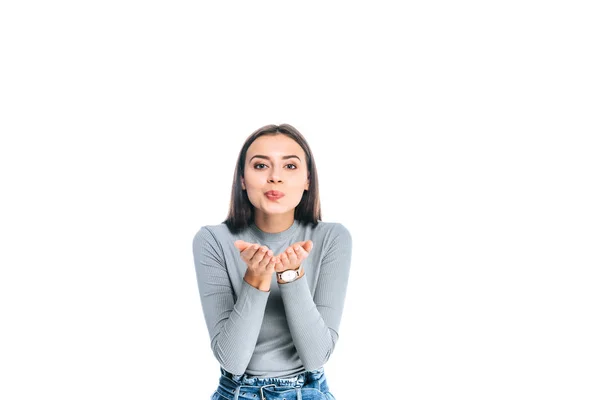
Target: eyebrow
[268,158]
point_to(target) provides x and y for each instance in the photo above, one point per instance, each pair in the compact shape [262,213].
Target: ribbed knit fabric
[290,329]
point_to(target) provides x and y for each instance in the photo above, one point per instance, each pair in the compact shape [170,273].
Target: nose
[273,177]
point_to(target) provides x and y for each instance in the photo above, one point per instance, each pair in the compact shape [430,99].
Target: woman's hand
[260,262]
[293,256]
[259,259]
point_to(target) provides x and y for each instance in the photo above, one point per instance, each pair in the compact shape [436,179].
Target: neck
[274,223]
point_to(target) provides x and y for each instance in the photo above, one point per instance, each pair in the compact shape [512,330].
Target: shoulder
[332,229]
[341,230]
[331,232]
[213,234]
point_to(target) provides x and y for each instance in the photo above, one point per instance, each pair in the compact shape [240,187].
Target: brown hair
[241,210]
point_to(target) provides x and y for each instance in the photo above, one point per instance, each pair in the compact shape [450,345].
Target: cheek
[255,194]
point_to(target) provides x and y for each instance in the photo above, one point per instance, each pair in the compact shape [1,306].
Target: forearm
[236,335]
[313,339]
[233,317]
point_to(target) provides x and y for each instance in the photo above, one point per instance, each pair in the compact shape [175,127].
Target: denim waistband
[242,387]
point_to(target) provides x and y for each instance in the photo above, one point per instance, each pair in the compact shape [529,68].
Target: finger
[266,259]
[272,264]
[279,267]
[240,245]
[259,254]
[285,260]
[301,254]
[250,251]
[307,246]
[291,254]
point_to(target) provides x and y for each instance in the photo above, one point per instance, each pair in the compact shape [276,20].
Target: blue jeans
[309,385]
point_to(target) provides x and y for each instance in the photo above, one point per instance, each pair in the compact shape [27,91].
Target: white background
[455,140]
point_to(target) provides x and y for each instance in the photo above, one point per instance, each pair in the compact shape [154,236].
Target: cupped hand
[260,259]
[292,257]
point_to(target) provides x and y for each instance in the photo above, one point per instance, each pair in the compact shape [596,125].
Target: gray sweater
[290,329]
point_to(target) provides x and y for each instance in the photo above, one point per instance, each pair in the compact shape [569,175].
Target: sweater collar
[273,237]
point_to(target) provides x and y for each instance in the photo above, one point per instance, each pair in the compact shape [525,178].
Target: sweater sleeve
[314,323]
[233,325]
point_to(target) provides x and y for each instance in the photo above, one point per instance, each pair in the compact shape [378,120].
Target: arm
[233,326]
[314,324]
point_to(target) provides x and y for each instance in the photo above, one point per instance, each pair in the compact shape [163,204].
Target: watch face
[288,275]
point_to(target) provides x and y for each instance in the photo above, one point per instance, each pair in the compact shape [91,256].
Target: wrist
[260,282]
[300,274]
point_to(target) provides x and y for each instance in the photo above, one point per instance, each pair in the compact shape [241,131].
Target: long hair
[241,210]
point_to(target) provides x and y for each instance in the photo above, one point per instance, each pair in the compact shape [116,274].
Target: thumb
[307,245]
[240,244]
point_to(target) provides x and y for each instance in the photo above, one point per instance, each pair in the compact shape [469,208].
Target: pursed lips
[274,193]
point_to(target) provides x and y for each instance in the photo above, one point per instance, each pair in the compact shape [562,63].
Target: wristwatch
[289,275]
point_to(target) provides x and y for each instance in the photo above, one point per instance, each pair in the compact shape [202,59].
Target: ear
[243,184]
[307,184]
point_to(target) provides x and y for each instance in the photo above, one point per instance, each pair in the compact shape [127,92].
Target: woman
[272,277]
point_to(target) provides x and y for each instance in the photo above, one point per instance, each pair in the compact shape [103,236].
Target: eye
[257,164]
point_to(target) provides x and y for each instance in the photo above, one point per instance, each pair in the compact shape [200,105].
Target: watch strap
[297,271]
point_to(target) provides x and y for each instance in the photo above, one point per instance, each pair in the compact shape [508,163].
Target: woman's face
[275,163]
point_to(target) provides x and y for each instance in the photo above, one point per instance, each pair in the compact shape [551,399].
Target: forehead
[275,146]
